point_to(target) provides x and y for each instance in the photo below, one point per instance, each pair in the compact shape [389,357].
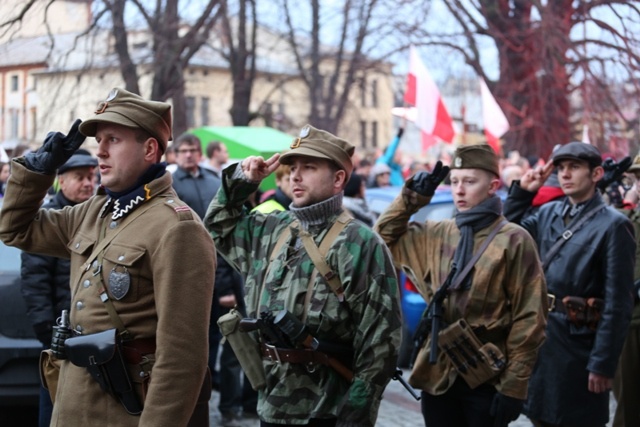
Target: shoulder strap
[568,233]
[317,254]
[467,268]
[98,252]
[104,242]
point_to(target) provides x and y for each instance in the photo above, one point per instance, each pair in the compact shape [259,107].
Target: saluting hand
[256,168]
[534,178]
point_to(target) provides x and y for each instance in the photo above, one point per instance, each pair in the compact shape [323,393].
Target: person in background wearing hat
[44,280]
[355,309]
[503,298]
[141,262]
[379,176]
[590,280]
[626,382]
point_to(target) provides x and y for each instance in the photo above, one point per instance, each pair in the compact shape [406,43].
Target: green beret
[479,156]
[128,109]
[318,143]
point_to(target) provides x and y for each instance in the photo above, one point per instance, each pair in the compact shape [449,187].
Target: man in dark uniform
[45,279]
[590,281]
[141,263]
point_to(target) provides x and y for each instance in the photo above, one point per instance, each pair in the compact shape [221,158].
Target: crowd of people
[532,286]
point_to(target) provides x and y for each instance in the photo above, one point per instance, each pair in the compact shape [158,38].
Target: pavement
[397,409]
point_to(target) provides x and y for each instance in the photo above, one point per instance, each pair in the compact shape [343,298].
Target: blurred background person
[45,279]
[380,176]
[280,198]
[354,200]
[392,157]
[217,155]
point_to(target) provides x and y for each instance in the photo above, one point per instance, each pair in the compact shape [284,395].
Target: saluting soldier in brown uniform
[135,250]
[500,296]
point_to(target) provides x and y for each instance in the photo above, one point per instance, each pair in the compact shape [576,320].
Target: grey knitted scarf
[469,222]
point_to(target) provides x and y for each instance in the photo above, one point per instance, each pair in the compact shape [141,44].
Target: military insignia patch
[112,95]
[119,283]
[457,162]
[304,132]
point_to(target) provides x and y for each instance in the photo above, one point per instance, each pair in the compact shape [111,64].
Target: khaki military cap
[318,143]
[128,109]
[635,166]
[479,156]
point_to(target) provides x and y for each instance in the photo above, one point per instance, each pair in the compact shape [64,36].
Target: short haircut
[212,147]
[187,139]
[282,170]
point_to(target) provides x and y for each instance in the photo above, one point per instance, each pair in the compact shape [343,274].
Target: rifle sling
[467,268]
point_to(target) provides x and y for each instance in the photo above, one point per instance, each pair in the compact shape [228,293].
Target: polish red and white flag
[432,117]
[495,122]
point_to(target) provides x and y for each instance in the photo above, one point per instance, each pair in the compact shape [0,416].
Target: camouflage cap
[479,156]
[318,143]
[577,150]
[128,109]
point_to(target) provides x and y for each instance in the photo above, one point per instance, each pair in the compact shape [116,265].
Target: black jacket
[45,284]
[197,192]
[597,261]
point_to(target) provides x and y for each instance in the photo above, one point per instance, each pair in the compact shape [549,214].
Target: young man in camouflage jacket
[364,316]
[503,298]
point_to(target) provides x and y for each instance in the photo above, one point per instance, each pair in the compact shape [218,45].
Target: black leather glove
[55,151]
[425,183]
[400,132]
[505,409]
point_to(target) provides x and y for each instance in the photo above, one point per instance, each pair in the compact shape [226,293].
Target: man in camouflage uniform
[503,298]
[365,318]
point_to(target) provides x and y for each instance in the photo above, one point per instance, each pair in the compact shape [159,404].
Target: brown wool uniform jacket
[508,294]
[171,262]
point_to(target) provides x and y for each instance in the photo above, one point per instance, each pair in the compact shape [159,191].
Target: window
[363,93]
[34,121]
[363,133]
[204,111]
[374,93]
[14,83]
[190,104]
[15,121]
[374,134]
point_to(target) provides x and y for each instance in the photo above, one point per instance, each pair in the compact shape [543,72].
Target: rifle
[431,321]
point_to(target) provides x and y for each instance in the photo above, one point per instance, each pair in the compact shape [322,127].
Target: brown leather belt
[135,350]
[555,304]
[292,355]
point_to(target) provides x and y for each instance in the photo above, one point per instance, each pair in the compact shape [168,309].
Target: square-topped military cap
[577,150]
[312,142]
[478,156]
[128,109]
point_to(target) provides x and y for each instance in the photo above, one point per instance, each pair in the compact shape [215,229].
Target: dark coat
[197,192]
[45,284]
[597,261]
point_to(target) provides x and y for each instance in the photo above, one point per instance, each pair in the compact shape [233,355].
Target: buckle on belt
[271,350]
[552,302]
[567,234]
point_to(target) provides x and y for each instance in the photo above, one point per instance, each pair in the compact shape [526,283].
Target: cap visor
[89,127]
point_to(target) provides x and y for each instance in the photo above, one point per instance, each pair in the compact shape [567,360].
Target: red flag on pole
[432,119]
[495,122]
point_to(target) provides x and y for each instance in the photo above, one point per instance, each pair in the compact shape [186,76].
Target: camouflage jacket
[370,323]
[507,295]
